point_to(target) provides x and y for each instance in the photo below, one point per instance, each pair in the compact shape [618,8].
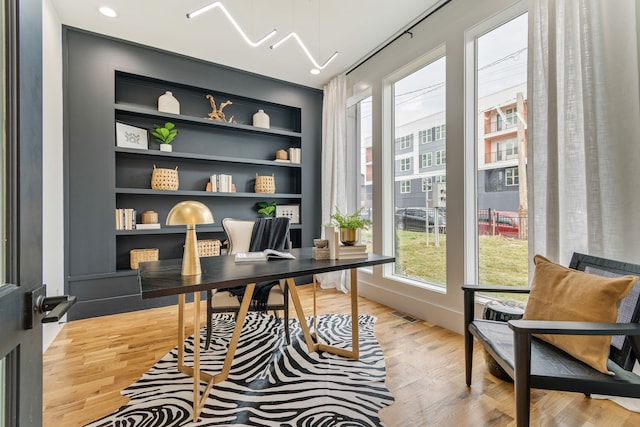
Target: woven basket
[208,248]
[142,255]
[164,179]
[265,184]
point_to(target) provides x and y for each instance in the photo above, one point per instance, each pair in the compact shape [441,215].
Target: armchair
[534,363]
[245,236]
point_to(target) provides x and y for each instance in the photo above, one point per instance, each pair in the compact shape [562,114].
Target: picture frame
[128,136]
[289,211]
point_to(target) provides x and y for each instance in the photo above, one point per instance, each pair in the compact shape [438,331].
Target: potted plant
[267,209]
[350,225]
[165,135]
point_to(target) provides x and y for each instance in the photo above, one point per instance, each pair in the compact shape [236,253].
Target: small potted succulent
[267,209]
[165,135]
[350,225]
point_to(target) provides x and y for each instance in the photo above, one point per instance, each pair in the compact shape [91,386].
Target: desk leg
[199,400]
[354,353]
[293,291]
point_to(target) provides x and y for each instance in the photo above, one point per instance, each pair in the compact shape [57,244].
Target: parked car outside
[415,219]
[498,223]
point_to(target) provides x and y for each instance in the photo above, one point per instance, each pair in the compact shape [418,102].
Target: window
[426,184]
[426,160]
[501,95]
[405,164]
[506,119]
[512,176]
[422,136]
[419,108]
[404,142]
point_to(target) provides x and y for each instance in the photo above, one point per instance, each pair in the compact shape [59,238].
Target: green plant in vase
[267,209]
[165,135]
[350,225]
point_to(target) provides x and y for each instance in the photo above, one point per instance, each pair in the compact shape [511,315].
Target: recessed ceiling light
[314,71]
[108,12]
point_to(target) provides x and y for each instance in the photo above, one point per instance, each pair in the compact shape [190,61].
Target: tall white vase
[167,103]
[261,119]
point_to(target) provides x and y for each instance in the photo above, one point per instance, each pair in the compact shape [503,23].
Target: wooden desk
[163,278]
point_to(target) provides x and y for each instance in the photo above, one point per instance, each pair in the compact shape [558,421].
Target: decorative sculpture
[217,114]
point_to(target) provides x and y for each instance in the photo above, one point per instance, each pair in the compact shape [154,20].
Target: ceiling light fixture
[314,71]
[219,5]
[108,12]
[304,48]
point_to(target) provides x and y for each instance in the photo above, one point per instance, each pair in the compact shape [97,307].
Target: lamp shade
[189,212]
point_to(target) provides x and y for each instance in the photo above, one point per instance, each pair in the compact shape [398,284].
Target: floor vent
[404,316]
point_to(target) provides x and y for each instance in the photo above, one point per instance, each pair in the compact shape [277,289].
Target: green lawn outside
[503,261]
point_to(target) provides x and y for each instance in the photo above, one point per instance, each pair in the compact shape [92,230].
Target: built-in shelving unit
[203,147]
[109,81]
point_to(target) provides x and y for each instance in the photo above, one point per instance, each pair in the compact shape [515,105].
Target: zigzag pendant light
[220,6]
[304,48]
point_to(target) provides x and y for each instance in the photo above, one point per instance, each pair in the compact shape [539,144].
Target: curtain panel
[584,129]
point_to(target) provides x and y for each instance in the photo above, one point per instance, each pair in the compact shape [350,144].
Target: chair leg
[469,298]
[209,314]
[286,314]
[522,384]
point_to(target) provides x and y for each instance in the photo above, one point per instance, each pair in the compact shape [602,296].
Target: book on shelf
[262,255]
[295,155]
[282,160]
[222,183]
[148,226]
[125,219]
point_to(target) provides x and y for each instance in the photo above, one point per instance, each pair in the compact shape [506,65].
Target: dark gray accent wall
[93,271]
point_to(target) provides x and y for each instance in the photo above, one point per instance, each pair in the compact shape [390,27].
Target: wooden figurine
[217,114]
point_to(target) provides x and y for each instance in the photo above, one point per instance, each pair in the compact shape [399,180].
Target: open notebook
[262,255]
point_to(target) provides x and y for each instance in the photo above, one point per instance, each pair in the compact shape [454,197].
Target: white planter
[261,119]
[168,104]
[166,147]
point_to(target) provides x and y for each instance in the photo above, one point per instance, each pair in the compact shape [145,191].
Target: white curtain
[334,164]
[584,129]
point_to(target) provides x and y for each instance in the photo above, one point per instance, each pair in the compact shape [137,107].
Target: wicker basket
[265,184]
[142,255]
[208,248]
[164,179]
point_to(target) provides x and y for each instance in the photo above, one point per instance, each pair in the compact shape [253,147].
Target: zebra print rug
[270,383]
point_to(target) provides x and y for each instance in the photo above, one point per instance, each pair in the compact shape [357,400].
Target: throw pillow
[561,293]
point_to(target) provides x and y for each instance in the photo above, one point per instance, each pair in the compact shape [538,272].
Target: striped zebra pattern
[270,383]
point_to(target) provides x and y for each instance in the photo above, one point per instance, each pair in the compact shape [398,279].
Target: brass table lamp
[190,213]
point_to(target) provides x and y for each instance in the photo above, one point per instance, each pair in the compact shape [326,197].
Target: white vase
[167,103]
[261,119]
[166,147]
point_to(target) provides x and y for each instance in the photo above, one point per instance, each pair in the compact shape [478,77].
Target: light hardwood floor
[92,360]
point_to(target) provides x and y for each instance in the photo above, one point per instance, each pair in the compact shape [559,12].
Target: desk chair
[246,236]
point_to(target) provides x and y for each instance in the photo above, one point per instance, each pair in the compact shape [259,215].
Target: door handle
[48,309]
[56,306]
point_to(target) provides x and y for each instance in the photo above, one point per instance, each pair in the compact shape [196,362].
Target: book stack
[125,219]
[352,252]
[294,155]
[148,226]
[221,183]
